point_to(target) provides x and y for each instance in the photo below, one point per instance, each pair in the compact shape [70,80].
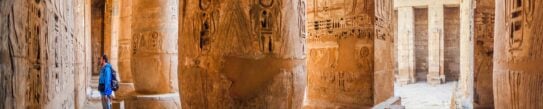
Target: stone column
[341,54]
[111,31]
[518,57]
[125,50]
[435,44]
[406,45]
[384,50]
[242,54]
[464,93]
[154,55]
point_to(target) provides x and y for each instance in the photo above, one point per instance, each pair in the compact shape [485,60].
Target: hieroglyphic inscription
[383,14]
[517,63]
[209,18]
[520,26]
[340,37]
[265,18]
[341,19]
[146,41]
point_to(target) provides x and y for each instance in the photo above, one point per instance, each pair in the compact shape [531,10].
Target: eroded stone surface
[242,54]
[154,54]
[484,50]
[517,76]
[341,53]
[154,42]
[39,62]
[384,48]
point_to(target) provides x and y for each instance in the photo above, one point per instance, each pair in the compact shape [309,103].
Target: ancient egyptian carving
[341,19]
[265,18]
[514,9]
[146,40]
[383,25]
[208,17]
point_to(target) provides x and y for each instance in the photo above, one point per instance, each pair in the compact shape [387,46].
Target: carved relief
[340,37]
[265,22]
[519,21]
[341,19]
[517,63]
[383,25]
[207,25]
[146,41]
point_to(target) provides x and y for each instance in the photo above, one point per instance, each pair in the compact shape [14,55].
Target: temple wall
[40,54]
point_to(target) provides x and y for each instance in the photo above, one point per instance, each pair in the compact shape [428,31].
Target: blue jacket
[105,78]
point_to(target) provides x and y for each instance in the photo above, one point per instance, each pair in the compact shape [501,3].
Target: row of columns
[155,35]
[406,42]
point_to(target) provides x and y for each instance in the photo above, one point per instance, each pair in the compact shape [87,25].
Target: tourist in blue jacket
[104,84]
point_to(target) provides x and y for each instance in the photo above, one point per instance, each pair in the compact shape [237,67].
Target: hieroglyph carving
[209,18]
[265,17]
[146,41]
[383,25]
[341,19]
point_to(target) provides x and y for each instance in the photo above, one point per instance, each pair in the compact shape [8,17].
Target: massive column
[435,44]
[406,45]
[242,54]
[463,97]
[341,54]
[518,74]
[111,31]
[154,55]
[125,50]
[384,51]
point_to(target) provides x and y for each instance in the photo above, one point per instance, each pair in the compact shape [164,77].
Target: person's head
[103,60]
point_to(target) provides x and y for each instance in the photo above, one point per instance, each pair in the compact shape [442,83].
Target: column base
[125,91]
[117,105]
[156,101]
[435,80]
[405,81]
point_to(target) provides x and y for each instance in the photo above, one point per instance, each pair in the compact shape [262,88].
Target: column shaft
[154,56]
[406,39]
[518,57]
[435,44]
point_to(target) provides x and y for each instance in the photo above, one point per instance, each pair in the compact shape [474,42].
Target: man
[104,85]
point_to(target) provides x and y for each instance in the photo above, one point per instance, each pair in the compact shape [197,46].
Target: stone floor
[424,96]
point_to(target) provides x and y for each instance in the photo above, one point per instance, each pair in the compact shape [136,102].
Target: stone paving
[421,95]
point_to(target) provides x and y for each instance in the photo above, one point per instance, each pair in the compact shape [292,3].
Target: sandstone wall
[518,47]
[484,49]
[242,54]
[97,32]
[421,44]
[452,43]
[341,54]
[451,47]
[40,48]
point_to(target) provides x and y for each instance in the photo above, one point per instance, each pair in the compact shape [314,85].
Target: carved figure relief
[207,26]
